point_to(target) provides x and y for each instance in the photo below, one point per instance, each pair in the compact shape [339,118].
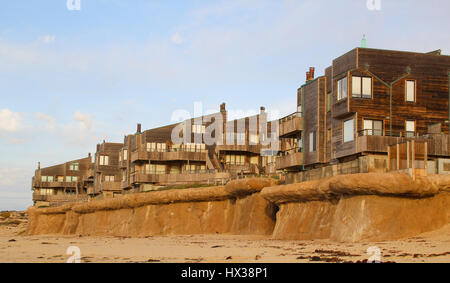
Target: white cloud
[50,120]
[10,121]
[176,38]
[47,39]
[84,120]
[80,131]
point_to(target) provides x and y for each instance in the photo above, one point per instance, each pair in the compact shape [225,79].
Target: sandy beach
[15,247]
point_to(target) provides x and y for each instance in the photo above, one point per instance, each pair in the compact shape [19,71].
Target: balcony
[290,159]
[240,148]
[373,141]
[123,164]
[40,184]
[242,168]
[60,199]
[291,125]
[111,186]
[145,155]
[178,178]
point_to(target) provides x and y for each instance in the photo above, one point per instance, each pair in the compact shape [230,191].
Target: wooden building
[367,100]
[63,183]
[106,170]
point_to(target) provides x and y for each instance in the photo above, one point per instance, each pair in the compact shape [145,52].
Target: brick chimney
[223,107]
[39,165]
[311,73]
[139,128]
[263,109]
[307,76]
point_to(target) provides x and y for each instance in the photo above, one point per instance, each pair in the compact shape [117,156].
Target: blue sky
[70,79]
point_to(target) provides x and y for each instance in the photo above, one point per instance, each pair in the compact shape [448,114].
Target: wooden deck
[291,125]
[289,161]
[168,156]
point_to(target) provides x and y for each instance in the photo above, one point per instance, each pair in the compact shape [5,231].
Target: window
[329,135]
[253,138]
[342,89]
[373,128]
[299,110]
[312,141]
[125,154]
[104,160]
[348,130]
[229,138]
[109,178]
[49,178]
[198,129]
[44,178]
[60,178]
[74,167]
[240,137]
[411,91]
[68,178]
[410,128]
[362,87]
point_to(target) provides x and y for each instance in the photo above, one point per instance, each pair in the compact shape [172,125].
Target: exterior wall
[363,164]
[112,150]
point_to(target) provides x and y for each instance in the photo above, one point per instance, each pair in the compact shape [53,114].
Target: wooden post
[408,156]
[413,153]
[425,158]
[389,159]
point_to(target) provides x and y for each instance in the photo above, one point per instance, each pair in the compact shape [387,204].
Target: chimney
[39,165]
[139,127]
[311,73]
[307,76]
[223,107]
[98,147]
[263,109]
[89,155]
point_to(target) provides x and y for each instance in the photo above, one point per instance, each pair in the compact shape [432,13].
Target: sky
[71,78]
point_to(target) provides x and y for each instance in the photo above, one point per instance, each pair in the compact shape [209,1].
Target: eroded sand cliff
[351,208]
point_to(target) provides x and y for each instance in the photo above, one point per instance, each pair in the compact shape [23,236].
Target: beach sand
[15,247]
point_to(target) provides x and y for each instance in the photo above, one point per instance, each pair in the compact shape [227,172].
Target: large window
[74,167]
[411,91]
[240,138]
[104,160]
[373,128]
[47,178]
[362,87]
[312,141]
[125,154]
[342,89]
[348,130]
[109,178]
[234,159]
[410,128]
[253,139]
[198,129]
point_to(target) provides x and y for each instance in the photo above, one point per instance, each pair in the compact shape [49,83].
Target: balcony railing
[291,124]
[55,184]
[289,159]
[291,116]
[181,148]
[398,134]
[291,151]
